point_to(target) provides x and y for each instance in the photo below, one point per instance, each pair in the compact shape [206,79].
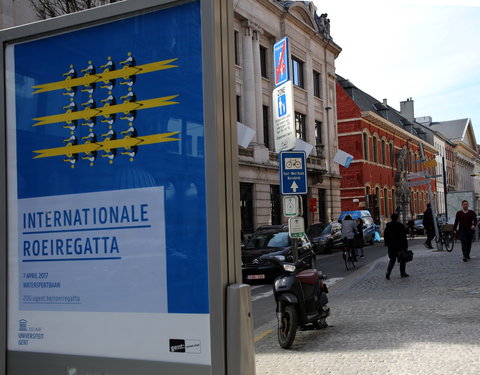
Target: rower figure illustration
[72,140]
[71,107]
[72,125]
[109,65]
[109,100]
[72,73]
[90,156]
[72,159]
[89,70]
[90,123]
[90,138]
[130,97]
[109,119]
[130,132]
[110,135]
[109,85]
[129,61]
[109,153]
[90,103]
[129,81]
[132,151]
[130,116]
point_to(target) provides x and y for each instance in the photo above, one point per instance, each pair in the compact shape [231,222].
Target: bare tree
[53,8]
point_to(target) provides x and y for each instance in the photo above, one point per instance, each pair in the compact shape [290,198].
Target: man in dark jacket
[428,226]
[466,221]
[395,236]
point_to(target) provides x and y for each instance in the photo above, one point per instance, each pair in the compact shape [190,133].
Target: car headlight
[281,258]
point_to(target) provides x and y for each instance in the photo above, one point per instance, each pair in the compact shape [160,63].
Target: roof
[453,129]
[367,102]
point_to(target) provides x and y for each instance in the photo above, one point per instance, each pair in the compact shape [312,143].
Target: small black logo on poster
[177,345]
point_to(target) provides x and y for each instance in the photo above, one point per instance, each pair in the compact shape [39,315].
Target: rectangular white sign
[284,117]
[412,176]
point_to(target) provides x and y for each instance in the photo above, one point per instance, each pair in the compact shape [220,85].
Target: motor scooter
[301,300]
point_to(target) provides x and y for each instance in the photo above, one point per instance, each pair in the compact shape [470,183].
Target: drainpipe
[328,108]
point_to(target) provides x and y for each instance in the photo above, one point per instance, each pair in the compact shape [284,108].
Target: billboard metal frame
[222,193]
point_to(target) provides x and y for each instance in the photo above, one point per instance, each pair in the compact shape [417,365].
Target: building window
[266,132]
[236,47]
[297,66]
[246,207]
[384,156]
[317,84]
[263,61]
[392,155]
[300,126]
[365,146]
[276,206]
[318,139]
[375,149]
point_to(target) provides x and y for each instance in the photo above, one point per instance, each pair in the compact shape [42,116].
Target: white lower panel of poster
[158,337]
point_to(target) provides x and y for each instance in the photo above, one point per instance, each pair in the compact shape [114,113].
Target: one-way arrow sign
[293,172]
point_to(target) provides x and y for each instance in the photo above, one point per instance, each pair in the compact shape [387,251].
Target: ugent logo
[111,126]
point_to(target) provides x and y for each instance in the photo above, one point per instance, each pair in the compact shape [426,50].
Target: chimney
[406,109]
[385,102]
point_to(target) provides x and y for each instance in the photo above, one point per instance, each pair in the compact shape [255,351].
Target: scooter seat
[309,276]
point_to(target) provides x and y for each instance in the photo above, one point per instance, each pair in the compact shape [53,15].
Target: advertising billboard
[107,224]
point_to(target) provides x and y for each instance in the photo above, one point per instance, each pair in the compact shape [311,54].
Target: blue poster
[111,168]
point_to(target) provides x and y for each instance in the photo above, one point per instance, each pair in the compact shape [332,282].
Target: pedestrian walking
[358,242]
[395,236]
[466,221]
[411,228]
[428,225]
[349,229]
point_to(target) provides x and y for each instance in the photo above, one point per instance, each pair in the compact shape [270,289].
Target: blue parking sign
[293,173]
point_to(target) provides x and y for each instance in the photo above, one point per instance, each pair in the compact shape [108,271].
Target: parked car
[271,241]
[369,227]
[418,227]
[325,236]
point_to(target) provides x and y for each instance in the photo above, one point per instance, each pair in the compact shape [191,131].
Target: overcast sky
[428,50]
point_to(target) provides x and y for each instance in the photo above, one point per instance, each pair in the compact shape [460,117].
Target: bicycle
[350,261]
[447,237]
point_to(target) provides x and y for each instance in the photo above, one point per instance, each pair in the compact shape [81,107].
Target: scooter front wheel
[287,327]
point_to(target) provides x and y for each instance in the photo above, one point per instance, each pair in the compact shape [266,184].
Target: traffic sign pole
[432,203]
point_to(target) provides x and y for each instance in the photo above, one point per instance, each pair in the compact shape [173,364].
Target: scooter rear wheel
[287,327]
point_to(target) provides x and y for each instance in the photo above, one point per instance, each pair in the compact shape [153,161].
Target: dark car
[418,227]
[271,241]
[325,236]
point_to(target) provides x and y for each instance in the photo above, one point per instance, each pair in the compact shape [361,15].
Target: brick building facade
[385,148]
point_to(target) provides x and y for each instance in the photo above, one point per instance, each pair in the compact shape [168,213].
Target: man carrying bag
[395,236]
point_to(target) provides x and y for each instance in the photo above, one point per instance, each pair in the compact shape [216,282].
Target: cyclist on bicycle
[349,230]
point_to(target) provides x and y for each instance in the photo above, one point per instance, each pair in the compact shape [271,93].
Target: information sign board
[296,227]
[293,173]
[290,206]
[284,118]
[107,190]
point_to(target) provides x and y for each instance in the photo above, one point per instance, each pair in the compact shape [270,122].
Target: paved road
[428,323]
[332,265]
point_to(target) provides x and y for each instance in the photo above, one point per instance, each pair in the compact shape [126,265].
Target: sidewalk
[428,323]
